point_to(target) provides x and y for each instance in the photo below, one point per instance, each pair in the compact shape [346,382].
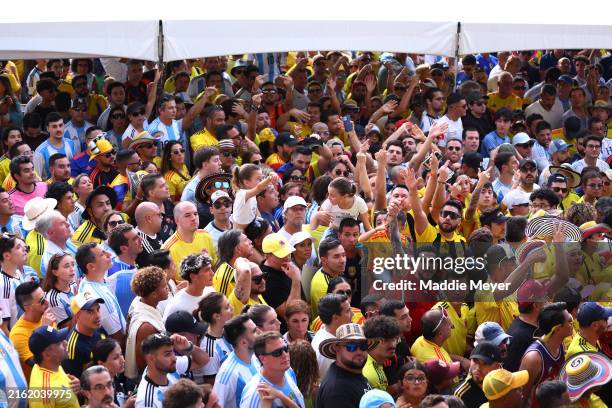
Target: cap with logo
[439,371]
[590,312]
[44,336]
[84,301]
[487,352]
[558,145]
[525,162]
[276,245]
[515,198]
[219,194]
[531,291]
[285,138]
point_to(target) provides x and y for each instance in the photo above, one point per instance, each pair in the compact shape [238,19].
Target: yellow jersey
[223,279]
[496,102]
[237,305]
[176,182]
[318,289]
[179,249]
[57,384]
[560,134]
[20,336]
[579,345]
[201,139]
[375,374]
[424,350]
[488,310]
[36,242]
[456,344]
[88,232]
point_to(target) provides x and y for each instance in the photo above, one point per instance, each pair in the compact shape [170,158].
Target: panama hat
[541,226]
[573,178]
[347,333]
[585,371]
[35,209]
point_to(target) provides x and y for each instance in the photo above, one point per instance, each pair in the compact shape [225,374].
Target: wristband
[189,349]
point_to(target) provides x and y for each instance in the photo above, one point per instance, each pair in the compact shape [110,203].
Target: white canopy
[194,28]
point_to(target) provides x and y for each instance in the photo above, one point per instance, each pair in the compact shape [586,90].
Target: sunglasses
[595,186]
[179,151]
[346,293]
[415,380]
[315,90]
[137,113]
[219,204]
[454,148]
[110,154]
[147,145]
[113,224]
[79,109]
[344,173]
[228,154]
[257,279]
[559,190]
[118,116]
[222,184]
[525,145]
[278,352]
[268,91]
[450,214]
[519,88]
[352,347]
[257,162]
[240,71]
[297,178]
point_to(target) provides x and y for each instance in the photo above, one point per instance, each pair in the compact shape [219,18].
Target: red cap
[531,291]
[438,370]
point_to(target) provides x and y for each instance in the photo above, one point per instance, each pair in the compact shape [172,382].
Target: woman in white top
[60,286]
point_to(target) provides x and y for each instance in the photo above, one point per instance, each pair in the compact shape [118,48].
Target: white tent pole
[458,39]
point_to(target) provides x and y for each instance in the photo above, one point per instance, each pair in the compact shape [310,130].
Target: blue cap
[490,331]
[590,312]
[44,336]
[566,79]
[375,398]
[558,145]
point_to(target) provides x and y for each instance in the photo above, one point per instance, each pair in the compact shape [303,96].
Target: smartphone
[347,123]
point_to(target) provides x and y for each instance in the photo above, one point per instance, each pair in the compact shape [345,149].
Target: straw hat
[541,226]
[35,209]
[585,371]
[347,333]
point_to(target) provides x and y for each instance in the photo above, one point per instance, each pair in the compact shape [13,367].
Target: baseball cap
[507,148]
[556,177]
[219,194]
[285,138]
[496,217]
[293,201]
[476,96]
[44,336]
[500,382]
[487,352]
[525,162]
[300,237]
[566,79]
[473,160]
[522,138]
[276,245]
[531,291]
[84,301]
[183,321]
[375,399]
[558,145]
[515,198]
[438,370]
[590,312]
[99,145]
[374,129]
[490,332]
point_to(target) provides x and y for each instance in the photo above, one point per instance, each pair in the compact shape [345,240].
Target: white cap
[515,197]
[293,201]
[300,237]
[218,195]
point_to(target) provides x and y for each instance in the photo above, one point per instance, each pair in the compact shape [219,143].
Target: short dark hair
[330,305]
[260,342]
[234,328]
[227,243]
[58,190]
[113,85]
[390,306]
[542,125]
[203,155]
[31,120]
[327,245]
[23,292]
[183,393]
[429,94]
[117,237]
[549,89]
[381,327]
[208,306]
[369,300]
[545,194]
[53,117]
[124,155]
[223,130]
[432,400]
[347,223]
[55,157]
[454,203]
[15,165]
[85,256]
[549,394]
[550,316]
[502,158]
[154,342]
[515,229]
[303,150]
[148,182]
[160,258]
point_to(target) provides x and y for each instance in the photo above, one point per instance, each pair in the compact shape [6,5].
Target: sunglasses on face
[138,113]
[454,148]
[297,178]
[224,203]
[559,190]
[278,352]
[450,214]
[240,72]
[346,293]
[524,145]
[257,279]
[519,88]
[257,162]
[110,154]
[221,184]
[595,186]
[113,224]
[118,116]
[178,151]
[268,91]
[315,90]
[344,173]
[352,347]
[228,154]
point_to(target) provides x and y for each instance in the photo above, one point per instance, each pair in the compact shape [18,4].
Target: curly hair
[147,280]
[304,363]
[579,213]
[381,327]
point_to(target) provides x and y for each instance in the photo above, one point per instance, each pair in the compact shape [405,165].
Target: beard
[352,364]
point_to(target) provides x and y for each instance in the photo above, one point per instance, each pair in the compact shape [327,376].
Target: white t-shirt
[338,214]
[455,128]
[244,212]
[184,301]
[324,362]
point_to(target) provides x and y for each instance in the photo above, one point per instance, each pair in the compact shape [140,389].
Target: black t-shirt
[483,124]
[341,388]
[470,393]
[392,366]
[278,287]
[522,336]
[79,351]
[168,226]
[43,112]
[352,273]
[148,246]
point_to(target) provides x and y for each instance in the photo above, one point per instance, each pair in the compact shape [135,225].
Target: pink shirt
[19,198]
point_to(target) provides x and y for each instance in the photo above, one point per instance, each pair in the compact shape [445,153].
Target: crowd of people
[229,231]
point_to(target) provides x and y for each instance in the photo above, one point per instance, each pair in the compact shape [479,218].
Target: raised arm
[380,197]
[420,218]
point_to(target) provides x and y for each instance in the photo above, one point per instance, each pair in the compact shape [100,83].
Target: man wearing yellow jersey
[48,345]
[333,263]
[436,328]
[504,98]
[593,321]
[559,184]
[212,117]
[59,168]
[458,313]
[250,285]
[99,202]
[188,239]
[387,330]
[232,245]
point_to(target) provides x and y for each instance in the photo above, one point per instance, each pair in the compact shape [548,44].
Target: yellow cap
[500,382]
[276,245]
[99,146]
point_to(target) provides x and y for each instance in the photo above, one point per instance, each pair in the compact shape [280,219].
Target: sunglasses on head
[113,224]
[221,184]
[228,154]
[353,346]
[297,178]
[278,352]
[450,214]
[344,173]
[257,279]
[444,314]
[225,203]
